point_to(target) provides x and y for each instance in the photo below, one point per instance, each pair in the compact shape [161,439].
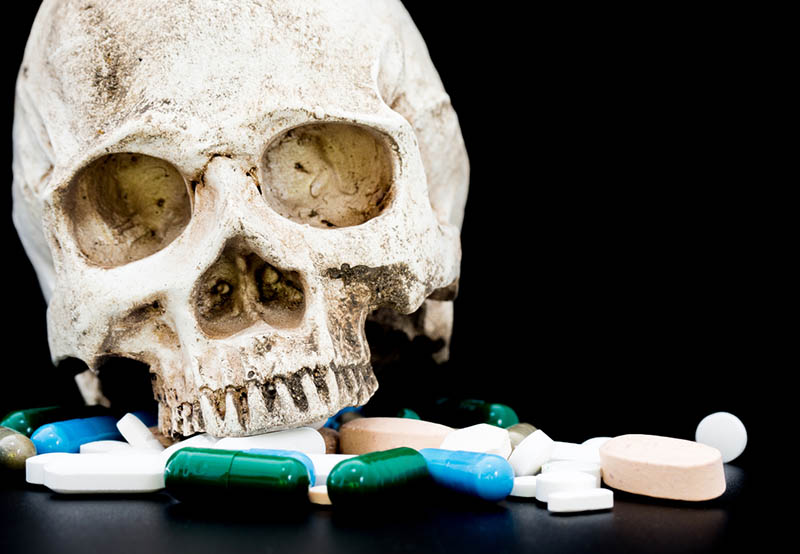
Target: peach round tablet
[370,434]
[663,467]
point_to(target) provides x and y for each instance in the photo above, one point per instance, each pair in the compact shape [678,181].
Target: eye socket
[125,207]
[328,175]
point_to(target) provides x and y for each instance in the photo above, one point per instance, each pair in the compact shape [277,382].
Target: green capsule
[499,415]
[388,475]
[407,413]
[27,421]
[205,474]
[466,413]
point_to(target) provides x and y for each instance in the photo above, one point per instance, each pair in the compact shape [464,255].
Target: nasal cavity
[241,290]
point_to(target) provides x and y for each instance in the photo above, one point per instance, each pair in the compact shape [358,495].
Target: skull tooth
[212,418]
[256,405]
[173,419]
[362,389]
[370,382]
[234,420]
[186,415]
[345,381]
[285,408]
[340,385]
[197,417]
[318,381]
[314,401]
[329,378]
[357,390]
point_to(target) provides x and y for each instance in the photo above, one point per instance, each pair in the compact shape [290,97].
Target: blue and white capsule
[69,435]
[486,476]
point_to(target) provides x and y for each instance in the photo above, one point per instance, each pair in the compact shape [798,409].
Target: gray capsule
[518,432]
[15,448]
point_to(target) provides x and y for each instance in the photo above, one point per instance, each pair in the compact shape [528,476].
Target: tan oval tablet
[663,467]
[370,434]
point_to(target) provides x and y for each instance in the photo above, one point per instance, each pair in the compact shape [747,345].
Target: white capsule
[34,466]
[575,452]
[524,486]
[137,434]
[103,447]
[484,438]
[324,463]
[580,500]
[531,453]
[303,439]
[591,468]
[105,473]
[725,432]
[558,481]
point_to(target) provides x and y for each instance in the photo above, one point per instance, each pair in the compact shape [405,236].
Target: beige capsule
[15,448]
[518,432]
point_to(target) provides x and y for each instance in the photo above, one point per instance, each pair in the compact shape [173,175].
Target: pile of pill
[486,454]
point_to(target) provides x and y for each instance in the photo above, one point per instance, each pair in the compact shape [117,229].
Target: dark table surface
[36,520]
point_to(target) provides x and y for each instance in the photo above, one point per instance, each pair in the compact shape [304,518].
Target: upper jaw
[300,398]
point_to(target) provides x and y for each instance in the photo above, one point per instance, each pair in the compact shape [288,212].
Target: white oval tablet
[105,473]
[725,432]
[524,486]
[558,481]
[34,466]
[581,500]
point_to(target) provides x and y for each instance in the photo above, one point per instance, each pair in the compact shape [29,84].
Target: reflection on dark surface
[36,520]
[437,522]
[235,513]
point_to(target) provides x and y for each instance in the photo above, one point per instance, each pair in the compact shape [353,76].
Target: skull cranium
[227,190]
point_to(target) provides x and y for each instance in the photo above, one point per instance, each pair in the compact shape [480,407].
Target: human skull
[226,190]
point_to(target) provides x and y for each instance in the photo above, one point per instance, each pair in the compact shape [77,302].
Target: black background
[614,273]
[619,266]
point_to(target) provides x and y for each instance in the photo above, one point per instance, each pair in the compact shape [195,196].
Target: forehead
[202,66]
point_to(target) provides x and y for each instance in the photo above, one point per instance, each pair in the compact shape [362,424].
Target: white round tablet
[524,486]
[725,432]
[558,481]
